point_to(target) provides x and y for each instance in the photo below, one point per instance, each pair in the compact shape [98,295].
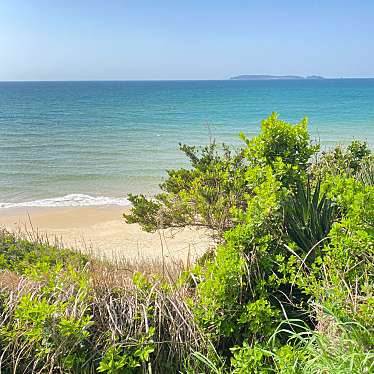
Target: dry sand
[103,232]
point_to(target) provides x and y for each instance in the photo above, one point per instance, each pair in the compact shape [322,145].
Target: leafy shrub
[118,359]
[289,288]
[286,148]
[38,258]
[348,162]
[39,327]
[201,196]
[216,186]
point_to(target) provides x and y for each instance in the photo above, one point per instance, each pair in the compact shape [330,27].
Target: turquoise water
[81,143]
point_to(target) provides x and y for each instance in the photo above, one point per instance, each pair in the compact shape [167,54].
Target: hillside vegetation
[288,288]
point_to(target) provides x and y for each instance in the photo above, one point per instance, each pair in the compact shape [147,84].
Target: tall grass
[75,316]
[342,348]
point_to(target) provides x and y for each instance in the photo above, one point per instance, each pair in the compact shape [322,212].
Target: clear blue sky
[184,39]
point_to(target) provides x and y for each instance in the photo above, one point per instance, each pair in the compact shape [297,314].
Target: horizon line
[163,80]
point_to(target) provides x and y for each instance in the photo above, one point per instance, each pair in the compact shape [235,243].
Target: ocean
[92,143]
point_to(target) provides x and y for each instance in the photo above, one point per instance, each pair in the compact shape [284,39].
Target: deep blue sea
[82,143]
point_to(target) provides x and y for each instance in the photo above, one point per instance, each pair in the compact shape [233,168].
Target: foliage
[201,196]
[43,327]
[349,161]
[84,317]
[215,187]
[366,172]
[118,359]
[339,347]
[308,218]
[35,258]
[288,289]
[298,232]
[286,148]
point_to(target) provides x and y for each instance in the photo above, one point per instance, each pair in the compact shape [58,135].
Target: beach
[103,232]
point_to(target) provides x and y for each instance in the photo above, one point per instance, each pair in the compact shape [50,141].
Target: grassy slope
[65,313]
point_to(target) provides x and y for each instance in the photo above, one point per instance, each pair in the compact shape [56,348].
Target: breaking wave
[70,200]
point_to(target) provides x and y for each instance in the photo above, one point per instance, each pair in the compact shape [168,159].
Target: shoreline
[102,232]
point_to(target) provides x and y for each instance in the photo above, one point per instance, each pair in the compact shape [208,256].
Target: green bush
[288,289]
[286,148]
[296,231]
[217,184]
[348,162]
[36,258]
[201,196]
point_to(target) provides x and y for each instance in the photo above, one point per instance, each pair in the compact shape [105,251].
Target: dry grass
[121,313]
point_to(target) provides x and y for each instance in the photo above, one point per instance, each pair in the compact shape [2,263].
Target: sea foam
[70,200]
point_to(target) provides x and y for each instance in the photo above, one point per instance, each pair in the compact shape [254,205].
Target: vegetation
[288,289]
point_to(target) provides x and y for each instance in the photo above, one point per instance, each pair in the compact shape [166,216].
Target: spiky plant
[308,217]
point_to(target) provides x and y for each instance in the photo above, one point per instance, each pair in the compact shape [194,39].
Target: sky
[184,39]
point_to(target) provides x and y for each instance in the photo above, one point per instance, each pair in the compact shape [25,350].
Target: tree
[221,181]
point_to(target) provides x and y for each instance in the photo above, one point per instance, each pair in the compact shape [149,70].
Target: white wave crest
[70,200]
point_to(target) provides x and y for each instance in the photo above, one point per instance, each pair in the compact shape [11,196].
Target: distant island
[255,77]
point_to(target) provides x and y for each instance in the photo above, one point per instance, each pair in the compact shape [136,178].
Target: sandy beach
[103,232]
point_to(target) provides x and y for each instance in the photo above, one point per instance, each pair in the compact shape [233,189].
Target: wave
[70,200]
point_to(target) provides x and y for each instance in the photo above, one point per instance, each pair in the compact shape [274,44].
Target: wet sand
[104,233]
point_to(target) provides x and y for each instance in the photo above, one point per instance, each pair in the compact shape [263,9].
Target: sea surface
[91,143]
